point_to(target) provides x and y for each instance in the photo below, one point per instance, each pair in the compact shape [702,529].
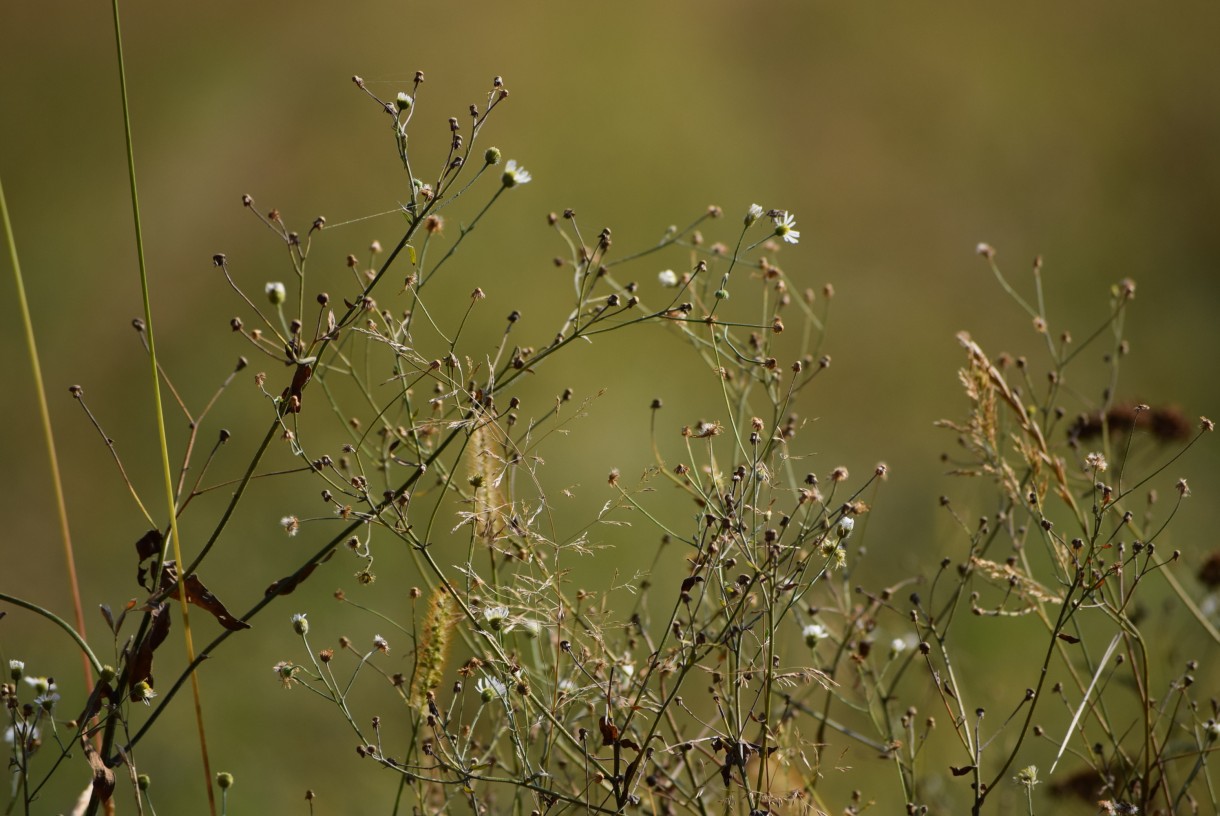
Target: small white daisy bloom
[26,733]
[300,624]
[667,278]
[489,688]
[16,668]
[514,174]
[813,633]
[845,526]
[785,227]
[497,617]
[753,214]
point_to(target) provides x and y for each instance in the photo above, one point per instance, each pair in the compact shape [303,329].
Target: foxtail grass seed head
[514,174]
[276,292]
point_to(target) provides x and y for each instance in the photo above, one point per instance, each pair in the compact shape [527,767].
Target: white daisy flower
[489,688]
[753,214]
[813,633]
[667,278]
[497,617]
[514,174]
[845,526]
[785,227]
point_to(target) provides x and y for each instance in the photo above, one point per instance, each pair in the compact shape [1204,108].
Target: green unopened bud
[300,624]
[16,669]
[722,294]
[276,292]
[143,781]
[404,101]
[108,674]
[492,156]
[224,780]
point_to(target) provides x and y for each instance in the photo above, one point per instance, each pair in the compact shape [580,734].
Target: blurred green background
[900,135]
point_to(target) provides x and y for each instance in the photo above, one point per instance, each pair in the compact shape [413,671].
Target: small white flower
[667,278]
[897,646]
[381,644]
[291,524]
[42,685]
[143,692]
[404,101]
[514,174]
[1212,729]
[23,731]
[276,292]
[785,227]
[845,526]
[529,627]
[753,214]
[1096,461]
[16,668]
[300,624]
[813,633]
[489,688]
[497,617]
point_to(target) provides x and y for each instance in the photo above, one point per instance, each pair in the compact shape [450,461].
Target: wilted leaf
[1068,638]
[962,771]
[609,731]
[106,613]
[149,544]
[199,595]
[141,661]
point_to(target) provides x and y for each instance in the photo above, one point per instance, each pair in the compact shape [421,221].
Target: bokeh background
[900,135]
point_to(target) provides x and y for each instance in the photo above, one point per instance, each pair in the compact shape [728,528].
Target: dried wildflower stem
[171,501]
[48,433]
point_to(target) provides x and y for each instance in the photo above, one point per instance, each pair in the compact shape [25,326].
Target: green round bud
[300,624]
[224,780]
[108,674]
[404,101]
[277,293]
[722,294]
[492,156]
[143,781]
